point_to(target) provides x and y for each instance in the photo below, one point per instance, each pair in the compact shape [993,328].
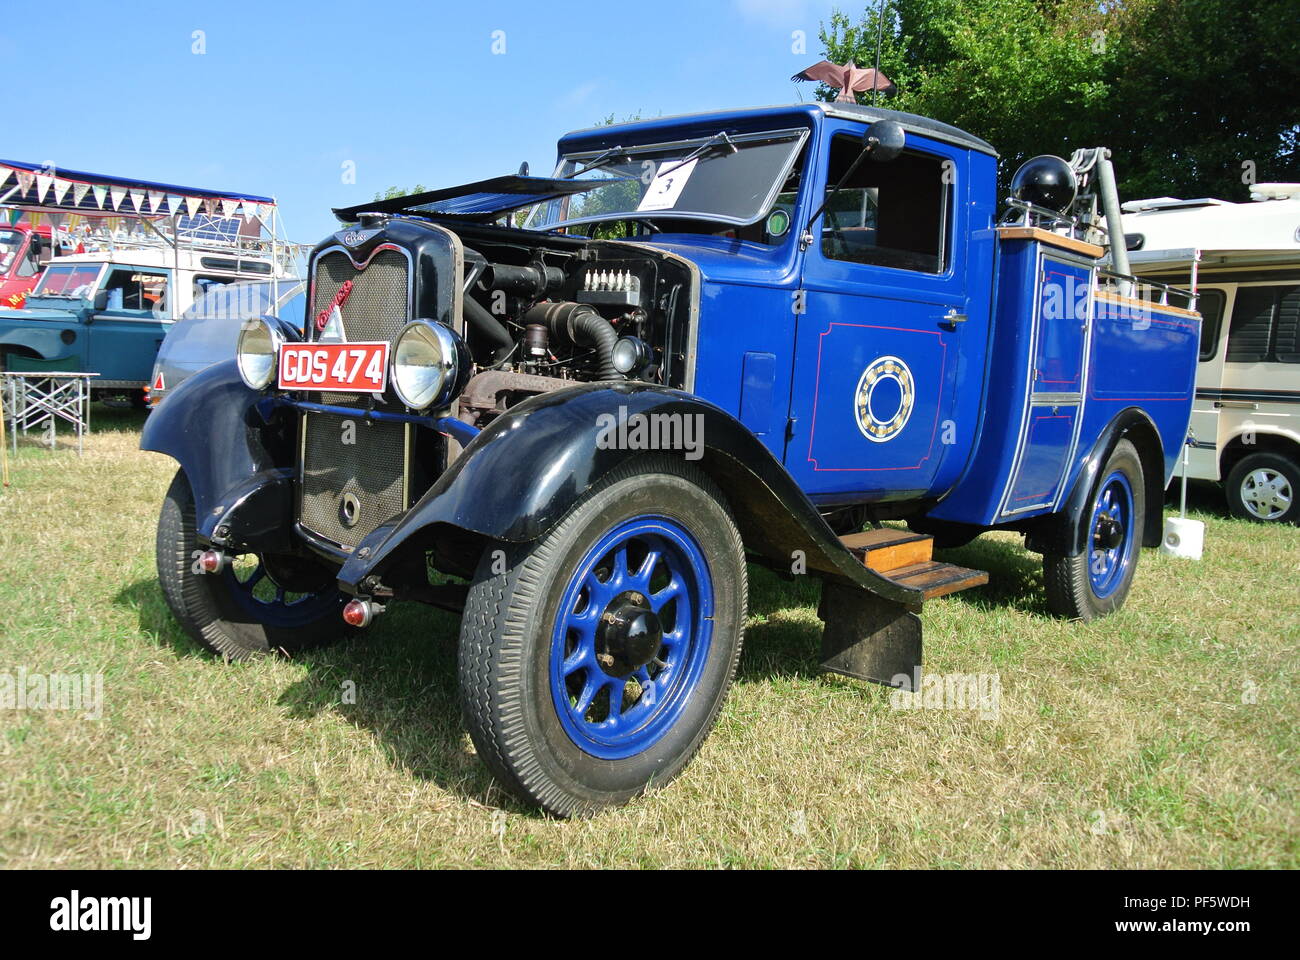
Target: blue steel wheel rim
[1108,563]
[270,604]
[614,717]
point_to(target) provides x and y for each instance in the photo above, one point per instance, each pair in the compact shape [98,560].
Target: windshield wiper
[719,139]
[604,159]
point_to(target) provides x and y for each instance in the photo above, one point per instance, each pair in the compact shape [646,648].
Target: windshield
[11,242]
[733,179]
[68,280]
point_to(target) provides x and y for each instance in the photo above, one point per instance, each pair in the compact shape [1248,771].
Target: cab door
[131,318]
[891,335]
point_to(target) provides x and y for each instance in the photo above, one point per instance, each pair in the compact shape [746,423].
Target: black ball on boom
[1047,182]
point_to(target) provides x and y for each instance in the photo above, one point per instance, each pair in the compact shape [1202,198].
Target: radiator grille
[376,309]
[373,470]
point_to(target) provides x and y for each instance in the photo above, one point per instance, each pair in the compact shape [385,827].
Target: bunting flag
[43,185]
[137,198]
[193,205]
[79,191]
[155,200]
[174,204]
[25,181]
[118,194]
[61,188]
[101,194]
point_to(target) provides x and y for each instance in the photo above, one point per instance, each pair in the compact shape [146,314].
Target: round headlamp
[430,365]
[256,352]
[630,355]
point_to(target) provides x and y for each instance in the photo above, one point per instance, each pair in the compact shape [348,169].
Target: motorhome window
[1265,325]
[133,289]
[891,214]
[1210,304]
[235,266]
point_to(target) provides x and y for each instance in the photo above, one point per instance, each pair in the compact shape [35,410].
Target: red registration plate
[345,367]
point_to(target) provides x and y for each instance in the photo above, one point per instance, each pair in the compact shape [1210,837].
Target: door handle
[952,318]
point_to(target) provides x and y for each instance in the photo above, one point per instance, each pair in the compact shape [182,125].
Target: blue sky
[286,93]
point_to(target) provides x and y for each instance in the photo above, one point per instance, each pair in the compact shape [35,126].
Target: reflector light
[357,613]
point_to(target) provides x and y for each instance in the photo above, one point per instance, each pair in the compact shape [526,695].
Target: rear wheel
[1096,581]
[1265,487]
[594,661]
[259,603]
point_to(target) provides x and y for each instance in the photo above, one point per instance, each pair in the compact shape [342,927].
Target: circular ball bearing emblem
[884,399]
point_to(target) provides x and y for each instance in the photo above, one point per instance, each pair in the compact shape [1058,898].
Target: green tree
[1204,96]
[1182,91]
[392,193]
[1019,73]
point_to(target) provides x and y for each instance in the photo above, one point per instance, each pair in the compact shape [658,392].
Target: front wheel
[259,603]
[1264,487]
[594,661]
[1096,581]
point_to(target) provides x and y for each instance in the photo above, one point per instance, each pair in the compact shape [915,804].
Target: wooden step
[934,579]
[886,549]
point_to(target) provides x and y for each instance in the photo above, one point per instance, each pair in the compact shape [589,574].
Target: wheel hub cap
[630,635]
[1266,494]
[1111,535]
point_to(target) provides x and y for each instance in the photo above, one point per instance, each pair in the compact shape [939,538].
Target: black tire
[510,621]
[1072,581]
[206,604]
[1264,487]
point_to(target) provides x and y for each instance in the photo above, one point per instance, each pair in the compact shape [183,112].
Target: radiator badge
[330,319]
[884,399]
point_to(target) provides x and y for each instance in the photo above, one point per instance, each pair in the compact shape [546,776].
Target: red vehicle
[24,251]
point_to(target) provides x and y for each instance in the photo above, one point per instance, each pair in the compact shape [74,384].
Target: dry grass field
[1165,736]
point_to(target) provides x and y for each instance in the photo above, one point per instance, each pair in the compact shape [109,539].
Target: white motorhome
[1243,261]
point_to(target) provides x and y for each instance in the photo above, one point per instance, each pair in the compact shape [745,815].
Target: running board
[907,559]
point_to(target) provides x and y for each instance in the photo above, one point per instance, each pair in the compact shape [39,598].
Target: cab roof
[811,113]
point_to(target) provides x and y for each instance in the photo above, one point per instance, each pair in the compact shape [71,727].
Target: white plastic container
[1183,538]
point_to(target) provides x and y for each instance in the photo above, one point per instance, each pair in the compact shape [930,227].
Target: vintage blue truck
[572,408]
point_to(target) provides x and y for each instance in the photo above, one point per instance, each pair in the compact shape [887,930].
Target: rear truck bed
[1087,366]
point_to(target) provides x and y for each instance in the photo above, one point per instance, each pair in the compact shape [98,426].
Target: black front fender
[236,447]
[523,473]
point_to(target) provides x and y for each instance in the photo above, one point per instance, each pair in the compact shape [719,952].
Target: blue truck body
[850,345]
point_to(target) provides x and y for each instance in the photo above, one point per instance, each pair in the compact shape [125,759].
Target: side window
[1265,325]
[1286,337]
[130,288]
[1210,304]
[889,214]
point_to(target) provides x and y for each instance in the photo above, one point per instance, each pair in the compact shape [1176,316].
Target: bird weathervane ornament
[847,78]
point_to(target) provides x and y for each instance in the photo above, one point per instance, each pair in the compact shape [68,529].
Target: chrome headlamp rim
[275,339]
[453,366]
